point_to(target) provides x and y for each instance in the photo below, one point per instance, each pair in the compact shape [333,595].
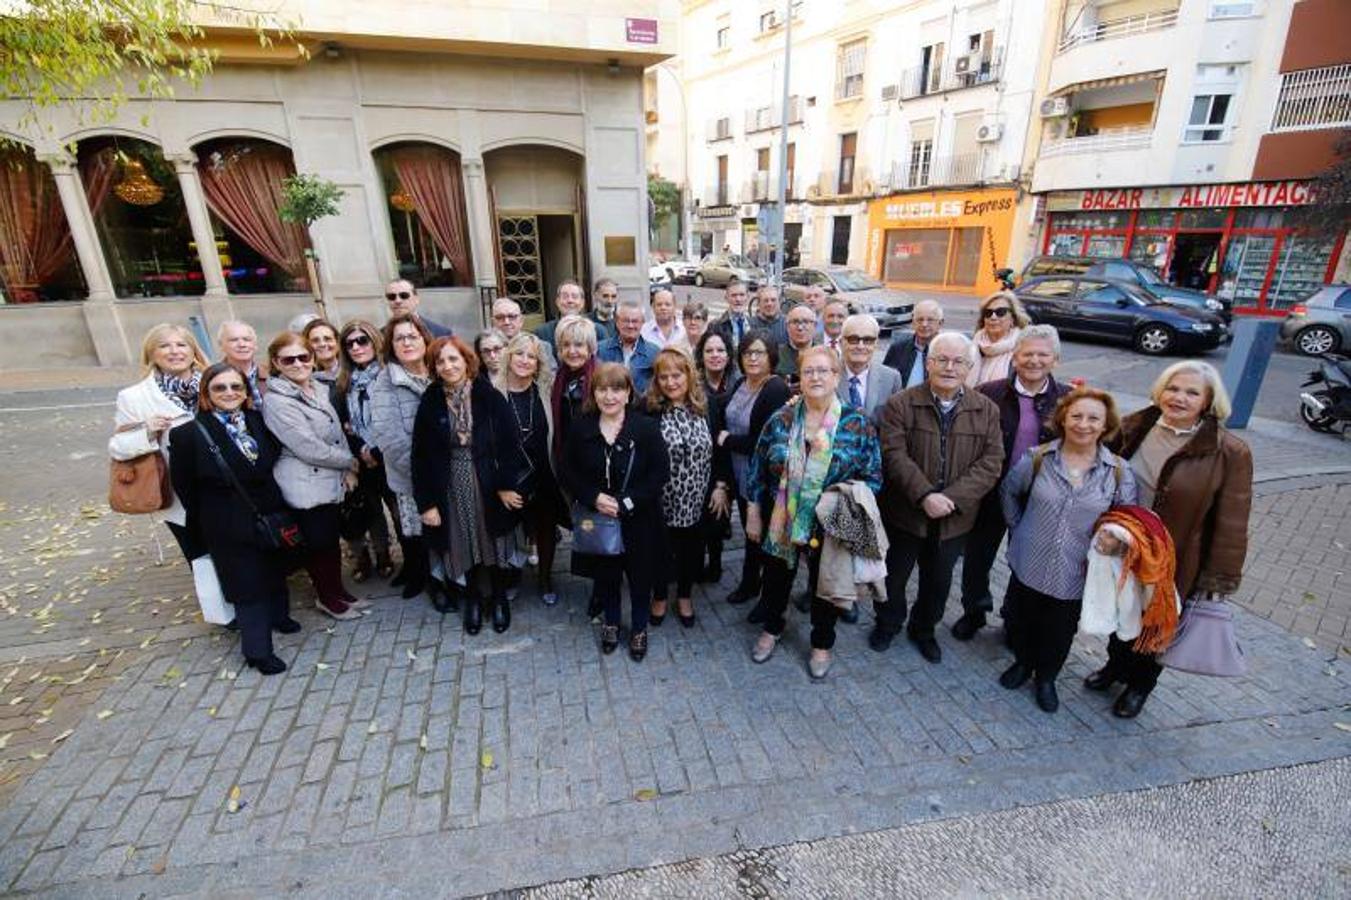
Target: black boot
[501,605]
[414,568]
[445,598]
[473,613]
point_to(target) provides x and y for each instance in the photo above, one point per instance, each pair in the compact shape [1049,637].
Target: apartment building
[480,151]
[1183,134]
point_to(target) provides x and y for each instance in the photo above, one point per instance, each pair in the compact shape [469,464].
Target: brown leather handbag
[140,485]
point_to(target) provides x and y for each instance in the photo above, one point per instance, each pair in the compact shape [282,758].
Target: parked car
[1094,307]
[1321,322]
[676,269]
[1127,271]
[657,277]
[718,269]
[863,293]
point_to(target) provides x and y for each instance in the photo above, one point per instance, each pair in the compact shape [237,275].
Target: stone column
[199,216]
[481,225]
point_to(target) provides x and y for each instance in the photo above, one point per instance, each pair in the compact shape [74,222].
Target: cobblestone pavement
[506,761]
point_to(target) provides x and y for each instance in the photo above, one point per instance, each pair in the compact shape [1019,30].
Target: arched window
[37,258]
[424,191]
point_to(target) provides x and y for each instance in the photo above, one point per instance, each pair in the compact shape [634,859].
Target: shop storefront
[941,240]
[716,228]
[1236,241]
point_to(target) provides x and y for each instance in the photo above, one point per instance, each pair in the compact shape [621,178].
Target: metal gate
[518,242]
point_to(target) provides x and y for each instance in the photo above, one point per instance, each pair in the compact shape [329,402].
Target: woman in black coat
[251,577]
[467,467]
[615,463]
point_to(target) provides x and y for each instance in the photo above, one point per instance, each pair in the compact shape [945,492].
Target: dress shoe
[1100,680]
[638,646]
[849,615]
[818,664]
[609,638]
[1015,676]
[473,615]
[965,628]
[928,648]
[501,616]
[654,618]
[336,609]
[741,595]
[1129,704]
[764,647]
[286,626]
[880,639]
[268,665]
[1047,699]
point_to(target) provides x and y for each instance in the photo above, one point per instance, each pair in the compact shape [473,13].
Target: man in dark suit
[910,347]
[568,300]
[734,323]
[403,300]
[865,384]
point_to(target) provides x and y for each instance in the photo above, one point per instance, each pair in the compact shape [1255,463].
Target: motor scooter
[1326,406]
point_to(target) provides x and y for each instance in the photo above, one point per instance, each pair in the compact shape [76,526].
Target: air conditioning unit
[889,91]
[1053,107]
[813,191]
[964,64]
[989,132]
[748,211]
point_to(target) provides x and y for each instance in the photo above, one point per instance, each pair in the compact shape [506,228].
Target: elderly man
[664,329]
[814,295]
[941,454]
[801,328]
[769,314]
[735,322]
[604,299]
[836,312]
[238,344]
[507,317]
[908,348]
[403,300]
[568,301]
[1026,400]
[864,384]
[628,346]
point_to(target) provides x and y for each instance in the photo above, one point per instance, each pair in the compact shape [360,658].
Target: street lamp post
[781,195]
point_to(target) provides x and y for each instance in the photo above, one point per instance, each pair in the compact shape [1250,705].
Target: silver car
[864,293]
[1321,323]
[719,269]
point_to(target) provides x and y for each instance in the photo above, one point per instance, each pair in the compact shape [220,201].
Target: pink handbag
[1205,643]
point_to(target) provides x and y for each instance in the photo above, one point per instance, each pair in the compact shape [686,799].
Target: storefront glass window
[1065,244]
[1300,270]
[917,254]
[966,259]
[141,221]
[1106,245]
[1151,249]
[1245,268]
[1201,218]
[1103,220]
[1259,218]
[1155,218]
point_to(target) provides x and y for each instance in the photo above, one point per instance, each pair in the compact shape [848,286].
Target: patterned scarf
[182,391]
[359,401]
[562,381]
[800,486]
[238,430]
[461,415]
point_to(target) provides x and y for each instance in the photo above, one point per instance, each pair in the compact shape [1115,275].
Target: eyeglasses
[817,373]
[854,340]
[407,338]
[506,317]
[755,353]
[950,362]
[490,349]
[294,359]
[227,388]
[802,323]
[357,340]
[399,295]
[996,312]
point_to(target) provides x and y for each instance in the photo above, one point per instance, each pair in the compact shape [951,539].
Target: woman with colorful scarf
[251,577]
[361,348]
[805,448]
[1000,318]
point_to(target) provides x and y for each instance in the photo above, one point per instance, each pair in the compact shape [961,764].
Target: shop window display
[424,194]
[1300,270]
[918,255]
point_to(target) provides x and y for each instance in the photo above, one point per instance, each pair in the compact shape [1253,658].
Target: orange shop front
[941,240]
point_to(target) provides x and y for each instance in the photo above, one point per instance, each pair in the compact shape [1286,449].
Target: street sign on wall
[640,31]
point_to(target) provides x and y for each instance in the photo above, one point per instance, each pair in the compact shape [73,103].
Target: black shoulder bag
[271,531]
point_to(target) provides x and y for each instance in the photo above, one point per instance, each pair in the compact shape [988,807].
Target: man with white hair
[941,454]
[402,297]
[238,344]
[865,384]
[507,317]
[908,348]
[1026,400]
[628,346]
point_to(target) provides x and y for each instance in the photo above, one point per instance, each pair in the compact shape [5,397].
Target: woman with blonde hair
[1000,318]
[166,397]
[1197,476]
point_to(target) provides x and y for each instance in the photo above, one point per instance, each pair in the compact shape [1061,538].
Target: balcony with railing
[1108,140]
[1111,29]
[1109,157]
[1115,47]
[944,171]
[959,74]
[1313,99]
[717,193]
[764,118]
[830,184]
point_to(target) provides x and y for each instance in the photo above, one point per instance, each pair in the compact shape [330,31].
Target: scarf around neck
[461,414]
[358,399]
[182,390]
[999,347]
[804,478]
[562,380]
[238,430]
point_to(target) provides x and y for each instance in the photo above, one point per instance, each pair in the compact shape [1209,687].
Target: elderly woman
[1197,476]
[524,381]
[314,469]
[676,398]
[664,329]
[616,464]
[804,449]
[575,342]
[466,473]
[394,398]
[238,344]
[361,348]
[489,344]
[999,318]
[223,450]
[322,339]
[713,359]
[166,397]
[1052,498]
[757,396]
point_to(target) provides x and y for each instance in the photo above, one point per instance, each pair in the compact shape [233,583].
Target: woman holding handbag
[614,467]
[221,462]
[1052,499]
[713,358]
[314,469]
[1196,476]
[146,411]
[362,346]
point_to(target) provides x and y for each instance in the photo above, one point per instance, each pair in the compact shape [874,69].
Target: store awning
[1115,81]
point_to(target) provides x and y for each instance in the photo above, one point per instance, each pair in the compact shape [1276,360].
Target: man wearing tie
[734,323]
[864,384]
[833,318]
[910,348]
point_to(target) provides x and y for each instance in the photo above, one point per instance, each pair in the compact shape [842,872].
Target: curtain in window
[431,176]
[35,240]
[242,184]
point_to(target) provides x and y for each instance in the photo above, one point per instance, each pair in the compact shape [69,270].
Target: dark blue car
[1094,308]
[1129,272]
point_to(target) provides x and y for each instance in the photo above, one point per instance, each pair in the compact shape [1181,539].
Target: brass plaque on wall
[621,251]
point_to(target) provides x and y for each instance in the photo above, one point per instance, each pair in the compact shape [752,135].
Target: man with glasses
[801,331]
[403,300]
[908,348]
[734,324]
[568,301]
[604,300]
[864,384]
[832,331]
[507,317]
[942,451]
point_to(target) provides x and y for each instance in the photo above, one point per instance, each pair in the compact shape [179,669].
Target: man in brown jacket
[942,451]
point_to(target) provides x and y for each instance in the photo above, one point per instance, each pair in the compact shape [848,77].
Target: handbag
[593,532]
[354,515]
[271,531]
[215,608]
[140,485]
[1205,643]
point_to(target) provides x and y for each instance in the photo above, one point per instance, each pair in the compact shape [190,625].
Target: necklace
[528,425]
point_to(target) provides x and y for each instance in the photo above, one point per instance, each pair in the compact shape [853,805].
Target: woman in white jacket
[150,408]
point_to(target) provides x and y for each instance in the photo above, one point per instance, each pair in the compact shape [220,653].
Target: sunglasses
[854,340]
[226,388]
[997,312]
[358,340]
[399,295]
[294,359]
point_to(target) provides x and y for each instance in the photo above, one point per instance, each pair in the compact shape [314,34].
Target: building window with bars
[849,69]
[1314,98]
[921,157]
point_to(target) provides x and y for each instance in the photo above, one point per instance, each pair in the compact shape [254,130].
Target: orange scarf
[1150,557]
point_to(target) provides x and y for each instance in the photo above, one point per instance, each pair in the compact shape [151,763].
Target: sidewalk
[499,762]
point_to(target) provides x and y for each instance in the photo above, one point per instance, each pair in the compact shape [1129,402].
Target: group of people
[640,427]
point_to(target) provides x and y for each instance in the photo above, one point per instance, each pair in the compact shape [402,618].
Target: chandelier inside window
[402,200]
[136,187]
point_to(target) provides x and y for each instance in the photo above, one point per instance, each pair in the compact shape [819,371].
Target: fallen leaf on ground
[1341,726]
[63,735]
[4,739]
[422,742]
[486,760]
[412,657]
[233,805]
[1308,642]
[321,666]
[211,712]
[104,713]
[373,727]
[36,755]
[645,794]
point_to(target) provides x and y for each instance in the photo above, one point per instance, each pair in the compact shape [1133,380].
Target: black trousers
[978,556]
[936,559]
[1041,628]
[256,621]
[778,584]
[681,560]
[752,566]
[608,591]
[1139,671]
